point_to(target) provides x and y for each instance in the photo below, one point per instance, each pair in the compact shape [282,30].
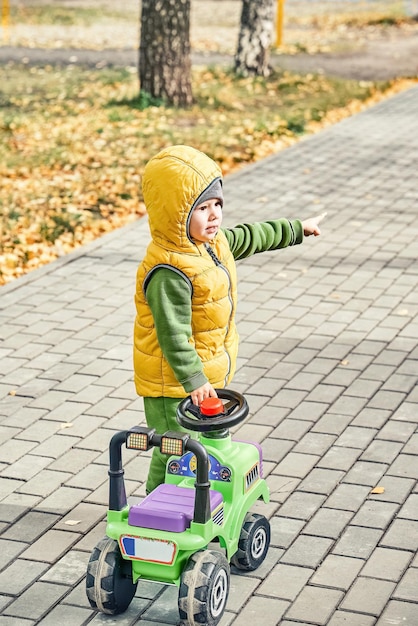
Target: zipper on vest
[218,263]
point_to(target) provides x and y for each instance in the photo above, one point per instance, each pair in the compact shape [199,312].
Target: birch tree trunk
[164,51]
[254,40]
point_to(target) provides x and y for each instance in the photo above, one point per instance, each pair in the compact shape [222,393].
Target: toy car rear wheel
[253,542]
[204,588]
[109,584]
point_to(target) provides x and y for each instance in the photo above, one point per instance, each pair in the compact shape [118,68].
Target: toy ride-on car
[210,485]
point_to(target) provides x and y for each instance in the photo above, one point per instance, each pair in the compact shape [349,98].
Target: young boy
[185,338]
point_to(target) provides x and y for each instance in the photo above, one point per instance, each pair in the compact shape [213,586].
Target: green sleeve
[168,295]
[247,239]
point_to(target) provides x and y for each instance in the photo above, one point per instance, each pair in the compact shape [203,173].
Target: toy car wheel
[204,588]
[109,584]
[253,542]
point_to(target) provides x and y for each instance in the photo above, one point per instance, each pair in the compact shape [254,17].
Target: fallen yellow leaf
[378,490]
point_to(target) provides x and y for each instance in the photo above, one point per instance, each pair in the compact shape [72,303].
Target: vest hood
[172,183]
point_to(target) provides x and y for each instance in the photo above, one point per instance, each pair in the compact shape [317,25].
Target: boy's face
[206,220]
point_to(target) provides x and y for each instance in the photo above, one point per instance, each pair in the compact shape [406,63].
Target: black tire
[204,589]
[109,585]
[253,542]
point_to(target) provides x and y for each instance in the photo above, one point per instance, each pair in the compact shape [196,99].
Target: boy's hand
[310,226]
[205,391]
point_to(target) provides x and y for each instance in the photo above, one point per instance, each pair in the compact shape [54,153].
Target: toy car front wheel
[204,589]
[109,584]
[253,542]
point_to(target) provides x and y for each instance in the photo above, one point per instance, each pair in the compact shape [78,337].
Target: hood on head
[172,182]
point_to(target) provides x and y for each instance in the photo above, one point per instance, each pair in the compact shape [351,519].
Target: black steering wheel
[234,411]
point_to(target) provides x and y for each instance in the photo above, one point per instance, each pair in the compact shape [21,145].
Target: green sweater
[168,295]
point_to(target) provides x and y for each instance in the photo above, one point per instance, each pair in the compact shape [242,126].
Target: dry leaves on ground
[73,156]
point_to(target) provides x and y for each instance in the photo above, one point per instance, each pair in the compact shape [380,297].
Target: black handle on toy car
[234,411]
[143,438]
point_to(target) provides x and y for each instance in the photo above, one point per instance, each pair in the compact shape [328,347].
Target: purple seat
[168,507]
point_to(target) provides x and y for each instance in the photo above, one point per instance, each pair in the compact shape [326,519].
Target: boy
[185,338]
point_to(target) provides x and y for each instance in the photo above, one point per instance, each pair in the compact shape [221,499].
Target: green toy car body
[210,485]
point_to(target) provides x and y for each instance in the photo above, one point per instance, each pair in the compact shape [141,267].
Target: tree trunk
[164,51]
[253,51]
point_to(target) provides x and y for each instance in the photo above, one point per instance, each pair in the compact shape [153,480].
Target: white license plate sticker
[144,549]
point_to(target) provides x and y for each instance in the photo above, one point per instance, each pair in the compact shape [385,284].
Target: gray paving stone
[36,601]
[405,465]
[368,596]
[164,610]
[51,546]
[356,437]
[407,589]
[74,460]
[410,508]
[292,429]
[403,534]
[241,589]
[19,575]
[328,523]
[92,476]
[314,443]
[284,531]
[397,613]
[275,449]
[387,564]
[14,621]
[9,550]
[266,611]
[107,407]
[285,581]
[69,570]
[358,542]
[315,605]
[13,450]
[301,505]
[365,473]
[396,489]
[412,445]
[296,465]
[26,467]
[337,572]
[339,458]
[332,424]
[8,486]
[321,481]
[346,618]
[92,538]
[69,615]
[82,518]
[29,527]
[44,483]
[307,551]
[347,497]
[62,500]
[375,514]
[380,451]
[372,418]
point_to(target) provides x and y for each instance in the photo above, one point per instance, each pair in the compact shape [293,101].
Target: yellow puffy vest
[172,184]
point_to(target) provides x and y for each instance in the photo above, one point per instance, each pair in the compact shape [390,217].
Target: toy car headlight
[173,442]
[139,438]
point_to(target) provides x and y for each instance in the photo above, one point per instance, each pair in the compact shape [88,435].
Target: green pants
[161,415]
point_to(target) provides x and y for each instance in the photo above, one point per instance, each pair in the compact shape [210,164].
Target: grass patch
[74,143]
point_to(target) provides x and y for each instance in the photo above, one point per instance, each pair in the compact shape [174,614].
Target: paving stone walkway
[328,363]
